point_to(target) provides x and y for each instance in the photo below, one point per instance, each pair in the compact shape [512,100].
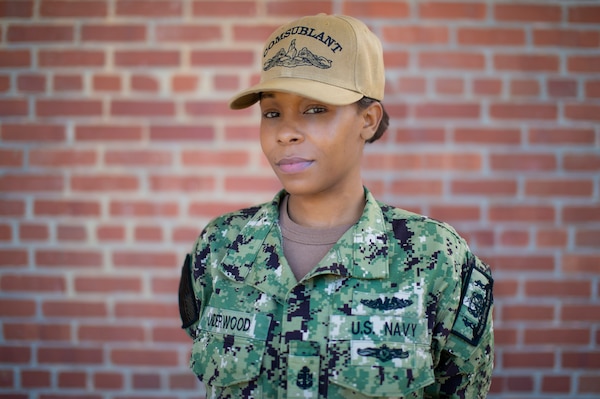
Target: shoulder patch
[476,300]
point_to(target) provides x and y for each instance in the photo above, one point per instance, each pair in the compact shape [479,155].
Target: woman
[325,292]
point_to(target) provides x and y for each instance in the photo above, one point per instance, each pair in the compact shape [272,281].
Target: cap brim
[303,87]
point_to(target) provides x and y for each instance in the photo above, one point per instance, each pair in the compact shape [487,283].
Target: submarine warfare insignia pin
[384,353]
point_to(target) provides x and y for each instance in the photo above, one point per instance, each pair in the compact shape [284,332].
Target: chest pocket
[230,347]
[379,355]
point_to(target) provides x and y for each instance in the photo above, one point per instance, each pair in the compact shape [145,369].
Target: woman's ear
[372,117]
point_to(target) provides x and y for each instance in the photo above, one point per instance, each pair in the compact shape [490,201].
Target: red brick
[78,309]
[35,379]
[521,213]
[15,58]
[557,336]
[566,38]
[298,8]
[182,132]
[138,157]
[71,58]
[182,183]
[5,83]
[487,136]
[37,332]
[113,33]
[592,89]
[16,9]
[556,384]
[561,136]
[396,59]
[59,108]
[238,58]
[11,158]
[33,132]
[39,33]
[527,12]
[148,233]
[452,10]
[143,208]
[108,380]
[183,381]
[587,238]
[31,183]
[6,233]
[85,284]
[487,87]
[185,234]
[230,158]
[575,263]
[415,34]
[71,233]
[210,108]
[146,58]
[33,232]
[216,8]
[110,233]
[104,333]
[522,263]
[377,9]
[531,360]
[144,83]
[226,82]
[418,187]
[505,288]
[526,62]
[525,111]
[523,162]
[31,83]
[458,110]
[449,86]
[587,360]
[184,83]
[451,60]
[144,357]
[551,238]
[584,63]
[525,88]
[581,213]
[70,355]
[72,379]
[558,289]
[146,381]
[419,135]
[117,182]
[16,308]
[589,383]
[70,9]
[67,83]
[519,383]
[149,8]
[13,107]
[584,14]
[514,238]
[182,33]
[60,158]
[76,208]
[455,213]
[472,36]
[559,188]
[32,283]
[147,108]
[106,83]
[15,354]
[145,259]
[582,112]
[108,133]
[67,258]
[530,313]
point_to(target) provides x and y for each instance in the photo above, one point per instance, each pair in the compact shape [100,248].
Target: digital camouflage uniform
[398,308]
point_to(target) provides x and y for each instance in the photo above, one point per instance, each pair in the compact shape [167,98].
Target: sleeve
[192,285]
[466,361]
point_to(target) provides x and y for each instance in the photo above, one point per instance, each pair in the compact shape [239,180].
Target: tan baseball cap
[331,58]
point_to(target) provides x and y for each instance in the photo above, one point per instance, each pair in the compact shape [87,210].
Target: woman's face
[314,148]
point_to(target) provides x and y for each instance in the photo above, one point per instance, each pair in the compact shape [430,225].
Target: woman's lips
[293,165]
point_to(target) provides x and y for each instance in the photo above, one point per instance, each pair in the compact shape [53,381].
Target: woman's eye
[271,114]
[316,110]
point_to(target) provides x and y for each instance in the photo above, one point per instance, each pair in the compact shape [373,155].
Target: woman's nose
[288,133]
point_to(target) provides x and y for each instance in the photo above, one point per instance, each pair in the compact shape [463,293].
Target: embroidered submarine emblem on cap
[305,379]
[387,303]
[384,353]
[293,58]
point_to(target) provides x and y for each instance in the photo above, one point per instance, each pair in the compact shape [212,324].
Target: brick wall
[117,147]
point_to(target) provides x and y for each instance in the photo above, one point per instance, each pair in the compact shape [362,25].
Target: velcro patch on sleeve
[475,304]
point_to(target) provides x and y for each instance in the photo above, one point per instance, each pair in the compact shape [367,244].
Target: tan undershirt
[303,246]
